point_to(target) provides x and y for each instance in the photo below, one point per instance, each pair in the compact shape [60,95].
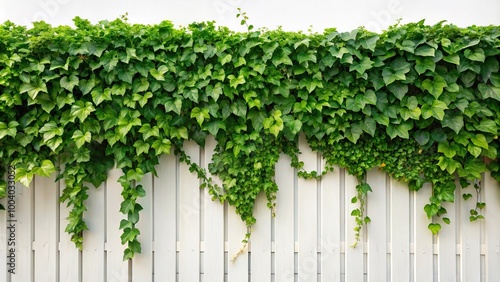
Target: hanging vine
[419,102]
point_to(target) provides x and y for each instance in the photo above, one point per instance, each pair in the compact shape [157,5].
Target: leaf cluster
[420,102]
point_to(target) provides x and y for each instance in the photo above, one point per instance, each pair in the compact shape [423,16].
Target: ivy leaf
[488,91]
[200,114]
[422,137]
[214,91]
[431,210]
[434,228]
[46,168]
[398,89]
[214,126]
[397,71]
[33,88]
[310,84]
[362,66]
[400,130]
[476,55]
[226,58]
[435,87]
[488,125]
[425,51]
[129,234]
[86,85]
[82,109]
[235,81]
[141,147]
[99,95]
[473,168]
[162,146]
[422,65]
[8,129]
[23,176]
[69,83]
[455,122]
[80,138]
[436,110]
[480,141]
[353,133]
[158,73]
[369,125]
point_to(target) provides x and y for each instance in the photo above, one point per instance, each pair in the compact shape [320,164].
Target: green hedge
[419,102]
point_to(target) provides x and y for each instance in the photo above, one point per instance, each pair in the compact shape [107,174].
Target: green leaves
[435,109]
[82,110]
[396,71]
[33,88]
[419,102]
[9,129]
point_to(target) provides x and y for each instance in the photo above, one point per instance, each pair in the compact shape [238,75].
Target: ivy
[416,101]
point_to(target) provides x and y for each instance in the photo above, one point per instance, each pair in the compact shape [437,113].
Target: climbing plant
[419,102]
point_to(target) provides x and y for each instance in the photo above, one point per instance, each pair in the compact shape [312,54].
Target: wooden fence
[187,237]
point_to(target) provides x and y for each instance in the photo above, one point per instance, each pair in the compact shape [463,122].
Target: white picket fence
[187,237]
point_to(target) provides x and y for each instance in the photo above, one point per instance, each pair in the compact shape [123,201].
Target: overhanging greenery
[420,102]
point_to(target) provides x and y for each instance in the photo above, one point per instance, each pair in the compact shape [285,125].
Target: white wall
[290,14]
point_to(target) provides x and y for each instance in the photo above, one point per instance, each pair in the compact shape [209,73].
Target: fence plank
[354,261]
[307,216]
[400,231]
[46,228]
[165,220]
[24,233]
[237,269]
[213,227]
[93,254]
[70,269]
[189,218]
[142,264]
[330,226]
[284,221]
[261,242]
[377,230]
[117,270]
[470,258]
[492,228]
[447,246]
[423,265]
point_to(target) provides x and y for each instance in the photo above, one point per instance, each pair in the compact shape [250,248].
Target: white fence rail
[187,237]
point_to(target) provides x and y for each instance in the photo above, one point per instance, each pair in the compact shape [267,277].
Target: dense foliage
[420,102]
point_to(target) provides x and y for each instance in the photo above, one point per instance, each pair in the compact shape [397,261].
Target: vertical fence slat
[377,229]
[307,216]
[492,228]
[261,242]
[69,255]
[423,237]
[93,253]
[189,218]
[142,264]
[284,221]
[447,246]
[400,228]
[237,269]
[165,220]
[354,266]
[24,233]
[46,228]
[330,226]
[470,263]
[117,270]
[213,227]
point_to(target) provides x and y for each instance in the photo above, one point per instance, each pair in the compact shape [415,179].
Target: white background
[295,15]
